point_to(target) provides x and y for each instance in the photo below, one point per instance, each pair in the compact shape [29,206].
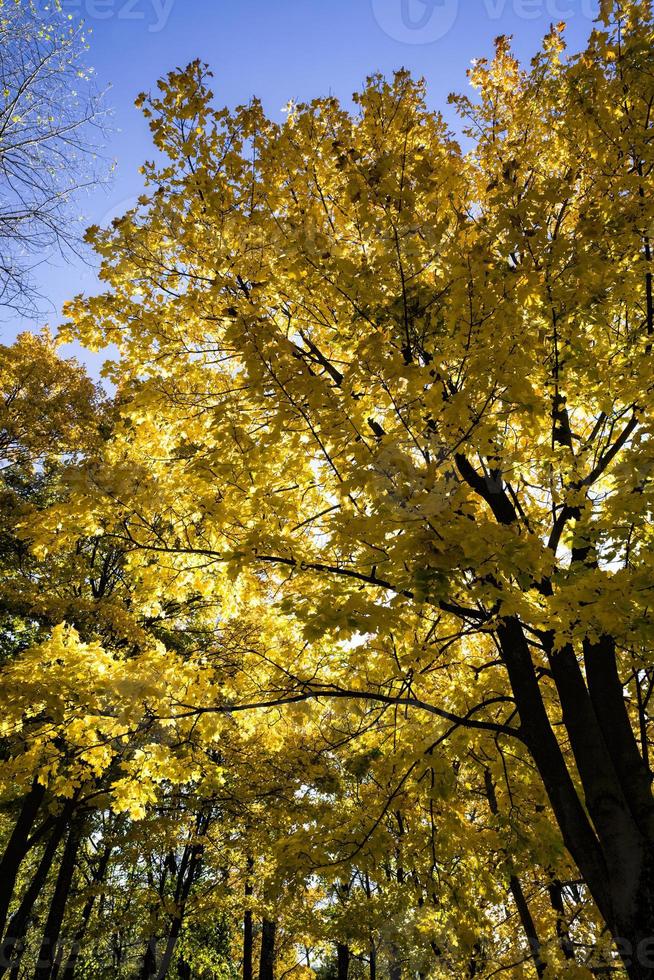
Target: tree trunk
[343,960]
[183,969]
[49,954]
[98,878]
[189,868]
[12,944]
[607,695]
[528,925]
[610,835]
[17,848]
[373,959]
[515,887]
[149,968]
[555,890]
[577,831]
[247,927]
[614,853]
[267,955]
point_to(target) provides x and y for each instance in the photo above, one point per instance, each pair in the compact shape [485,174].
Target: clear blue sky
[278,50]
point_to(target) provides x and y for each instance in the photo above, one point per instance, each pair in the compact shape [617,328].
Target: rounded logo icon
[117,211]
[415,21]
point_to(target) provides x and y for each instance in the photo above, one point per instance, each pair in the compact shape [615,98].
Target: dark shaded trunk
[248,948]
[48,958]
[634,936]
[171,942]
[267,955]
[189,868]
[528,925]
[613,853]
[12,944]
[149,967]
[476,962]
[555,890]
[621,841]
[17,847]
[183,969]
[607,696]
[98,877]
[521,904]
[613,778]
[342,960]
[373,959]
[576,829]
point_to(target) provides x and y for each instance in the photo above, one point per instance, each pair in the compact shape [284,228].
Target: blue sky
[288,49]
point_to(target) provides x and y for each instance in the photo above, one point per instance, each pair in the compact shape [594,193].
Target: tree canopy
[328,638]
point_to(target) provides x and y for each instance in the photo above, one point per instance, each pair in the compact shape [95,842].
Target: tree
[394,394]
[70,755]
[50,120]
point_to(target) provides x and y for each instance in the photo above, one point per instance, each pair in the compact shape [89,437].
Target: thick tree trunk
[577,831]
[611,838]
[621,841]
[17,848]
[342,960]
[171,942]
[267,955]
[614,852]
[607,695]
[634,932]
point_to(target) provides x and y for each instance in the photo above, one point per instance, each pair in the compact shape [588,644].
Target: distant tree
[50,114]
